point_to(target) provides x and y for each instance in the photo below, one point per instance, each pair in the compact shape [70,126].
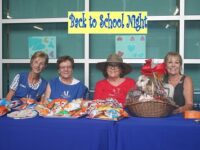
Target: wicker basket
[153,108]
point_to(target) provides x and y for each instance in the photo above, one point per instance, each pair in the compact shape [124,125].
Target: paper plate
[22,114]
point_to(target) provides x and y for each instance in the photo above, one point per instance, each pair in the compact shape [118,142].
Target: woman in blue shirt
[65,86]
[30,85]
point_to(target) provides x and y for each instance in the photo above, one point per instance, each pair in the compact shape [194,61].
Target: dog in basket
[151,92]
[147,86]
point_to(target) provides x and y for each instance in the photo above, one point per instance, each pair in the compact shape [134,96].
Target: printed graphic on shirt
[65,95]
[15,82]
[24,86]
[115,92]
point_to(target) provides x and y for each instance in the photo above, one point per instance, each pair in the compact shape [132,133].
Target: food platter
[22,114]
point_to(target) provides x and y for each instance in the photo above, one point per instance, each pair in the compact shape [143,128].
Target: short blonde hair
[40,54]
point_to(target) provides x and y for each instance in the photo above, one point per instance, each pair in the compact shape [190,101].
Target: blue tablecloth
[56,134]
[171,133]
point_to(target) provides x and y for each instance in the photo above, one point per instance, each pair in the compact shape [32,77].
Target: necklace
[116,82]
[174,80]
[32,79]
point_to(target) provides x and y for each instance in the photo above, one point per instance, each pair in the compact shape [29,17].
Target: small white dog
[169,89]
[142,82]
[145,84]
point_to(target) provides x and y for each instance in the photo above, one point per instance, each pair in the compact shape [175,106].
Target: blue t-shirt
[67,91]
[24,90]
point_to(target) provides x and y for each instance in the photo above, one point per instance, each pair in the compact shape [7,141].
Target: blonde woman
[30,85]
[183,93]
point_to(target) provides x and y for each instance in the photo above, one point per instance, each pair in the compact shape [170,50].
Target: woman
[65,86]
[30,85]
[183,93]
[114,85]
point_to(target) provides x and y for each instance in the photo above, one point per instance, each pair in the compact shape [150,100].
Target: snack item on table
[108,109]
[26,103]
[57,102]
[42,110]
[81,112]
[63,112]
[27,100]
[112,113]
[94,113]
[22,114]
[77,107]
[14,103]
[3,110]
[72,106]
[123,113]
[85,103]
[75,104]
[61,108]
[4,102]
[23,106]
[104,117]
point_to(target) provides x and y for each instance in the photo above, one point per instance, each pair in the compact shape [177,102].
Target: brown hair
[173,54]
[40,54]
[64,58]
[105,74]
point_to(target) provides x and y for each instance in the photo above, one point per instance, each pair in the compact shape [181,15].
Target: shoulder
[187,80]
[129,83]
[127,79]
[23,74]
[54,80]
[78,84]
[17,76]
[75,81]
[104,81]
[44,80]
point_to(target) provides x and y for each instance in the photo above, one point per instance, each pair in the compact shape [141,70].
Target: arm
[98,91]
[10,94]
[13,87]
[188,94]
[47,94]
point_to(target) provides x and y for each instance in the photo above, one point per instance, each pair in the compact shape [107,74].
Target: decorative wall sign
[131,46]
[46,44]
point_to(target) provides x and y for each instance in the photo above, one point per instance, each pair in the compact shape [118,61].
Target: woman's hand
[183,109]
[178,110]
[28,100]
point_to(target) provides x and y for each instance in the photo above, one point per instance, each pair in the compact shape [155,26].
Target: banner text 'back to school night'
[107,22]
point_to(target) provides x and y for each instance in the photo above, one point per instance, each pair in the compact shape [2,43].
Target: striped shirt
[15,83]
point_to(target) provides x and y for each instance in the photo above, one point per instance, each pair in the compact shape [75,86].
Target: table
[170,133]
[55,134]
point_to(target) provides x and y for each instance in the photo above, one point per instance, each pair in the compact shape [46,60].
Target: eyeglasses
[65,67]
[113,66]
